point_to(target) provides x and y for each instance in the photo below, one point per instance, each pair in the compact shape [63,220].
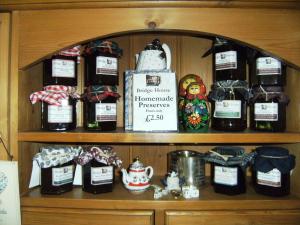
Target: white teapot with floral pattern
[137,179]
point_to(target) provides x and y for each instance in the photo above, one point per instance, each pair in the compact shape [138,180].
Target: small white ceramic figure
[173,182]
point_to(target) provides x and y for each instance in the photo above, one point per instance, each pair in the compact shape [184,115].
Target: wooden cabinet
[249,217]
[40,216]
[39,30]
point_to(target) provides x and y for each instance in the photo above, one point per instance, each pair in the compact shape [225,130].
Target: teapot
[137,179]
[154,57]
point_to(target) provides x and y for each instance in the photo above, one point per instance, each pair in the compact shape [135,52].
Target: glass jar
[266,70]
[59,118]
[229,60]
[100,108]
[229,105]
[60,69]
[268,109]
[97,177]
[101,63]
[57,179]
[271,171]
[228,176]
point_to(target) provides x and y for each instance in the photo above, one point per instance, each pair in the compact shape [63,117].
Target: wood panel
[4,79]
[59,4]
[267,217]
[266,29]
[40,216]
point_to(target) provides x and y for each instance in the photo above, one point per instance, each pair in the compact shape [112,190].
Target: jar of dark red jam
[229,105]
[57,168]
[100,108]
[60,69]
[97,177]
[271,171]
[268,109]
[229,60]
[265,70]
[98,168]
[57,179]
[59,118]
[228,176]
[101,63]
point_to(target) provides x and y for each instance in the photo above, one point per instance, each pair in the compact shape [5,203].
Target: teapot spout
[124,176]
[167,50]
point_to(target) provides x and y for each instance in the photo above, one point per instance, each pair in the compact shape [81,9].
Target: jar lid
[97,93]
[220,88]
[269,93]
[229,155]
[103,46]
[270,157]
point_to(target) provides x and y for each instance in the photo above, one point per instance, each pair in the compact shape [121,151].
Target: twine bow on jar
[104,47]
[54,94]
[270,93]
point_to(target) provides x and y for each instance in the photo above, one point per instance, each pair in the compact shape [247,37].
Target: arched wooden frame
[42,33]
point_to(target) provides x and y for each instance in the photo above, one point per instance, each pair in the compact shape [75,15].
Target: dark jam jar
[60,69]
[228,176]
[59,118]
[229,105]
[229,60]
[98,168]
[97,177]
[268,109]
[271,171]
[57,179]
[101,63]
[100,108]
[266,70]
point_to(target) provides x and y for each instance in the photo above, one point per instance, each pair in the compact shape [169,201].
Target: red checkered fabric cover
[53,94]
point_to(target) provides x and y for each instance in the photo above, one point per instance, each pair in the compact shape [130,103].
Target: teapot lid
[137,164]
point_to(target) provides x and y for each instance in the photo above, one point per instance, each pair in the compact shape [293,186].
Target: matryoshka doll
[195,113]
[183,84]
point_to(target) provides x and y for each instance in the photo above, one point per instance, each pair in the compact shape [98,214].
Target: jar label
[266,111]
[271,178]
[63,175]
[60,114]
[106,112]
[228,109]
[101,175]
[268,66]
[226,175]
[63,68]
[226,60]
[106,65]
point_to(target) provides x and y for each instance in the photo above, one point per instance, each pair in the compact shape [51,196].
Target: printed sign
[9,194]
[154,102]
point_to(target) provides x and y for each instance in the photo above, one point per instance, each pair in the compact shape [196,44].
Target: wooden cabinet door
[61,216]
[251,217]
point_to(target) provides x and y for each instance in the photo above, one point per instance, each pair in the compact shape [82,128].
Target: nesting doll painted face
[186,81]
[193,88]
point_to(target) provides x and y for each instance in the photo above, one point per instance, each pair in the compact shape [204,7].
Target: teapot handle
[150,173]
[167,50]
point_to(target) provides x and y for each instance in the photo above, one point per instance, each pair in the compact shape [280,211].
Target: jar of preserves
[229,105]
[100,108]
[228,169]
[268,109]
[101,63]
[58,107]
[98,169]
[61,69]
[271,170]
[229,60]
[265,70]
[57,168]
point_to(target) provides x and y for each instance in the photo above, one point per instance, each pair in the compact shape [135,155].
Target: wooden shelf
[121,136]
[120,198]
